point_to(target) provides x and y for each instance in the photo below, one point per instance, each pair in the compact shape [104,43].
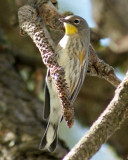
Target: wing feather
[47,100]
[76,90]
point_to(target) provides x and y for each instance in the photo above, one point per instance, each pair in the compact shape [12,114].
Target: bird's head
[74,24]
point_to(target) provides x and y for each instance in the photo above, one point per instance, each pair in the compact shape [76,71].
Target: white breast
[63,41]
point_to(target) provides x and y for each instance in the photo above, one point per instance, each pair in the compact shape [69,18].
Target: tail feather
[43,142]
[54,112]
[50,138]
[52,147]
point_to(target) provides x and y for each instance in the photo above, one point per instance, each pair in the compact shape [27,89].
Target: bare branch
[99,68]
[104,127]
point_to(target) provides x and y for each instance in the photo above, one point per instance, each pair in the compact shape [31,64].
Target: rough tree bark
[106,124]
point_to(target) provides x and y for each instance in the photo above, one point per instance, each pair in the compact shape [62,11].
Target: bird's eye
[76,21]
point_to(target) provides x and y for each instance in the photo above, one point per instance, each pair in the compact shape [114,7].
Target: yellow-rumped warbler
[73,55]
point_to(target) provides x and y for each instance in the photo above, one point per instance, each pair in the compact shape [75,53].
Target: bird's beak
[62,20]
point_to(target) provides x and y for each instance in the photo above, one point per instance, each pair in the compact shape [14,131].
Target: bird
[72,53]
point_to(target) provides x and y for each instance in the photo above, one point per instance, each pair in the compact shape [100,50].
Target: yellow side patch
[69,28]
[81,57]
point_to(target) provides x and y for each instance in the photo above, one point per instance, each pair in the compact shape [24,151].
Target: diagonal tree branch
[99,68]
[104,127]
[31,24]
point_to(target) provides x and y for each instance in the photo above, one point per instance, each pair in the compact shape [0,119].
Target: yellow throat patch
[70,29]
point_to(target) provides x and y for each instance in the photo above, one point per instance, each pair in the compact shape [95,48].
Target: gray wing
[46,111]
[80,81]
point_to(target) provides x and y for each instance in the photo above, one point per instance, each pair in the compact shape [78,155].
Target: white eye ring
[76,21]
